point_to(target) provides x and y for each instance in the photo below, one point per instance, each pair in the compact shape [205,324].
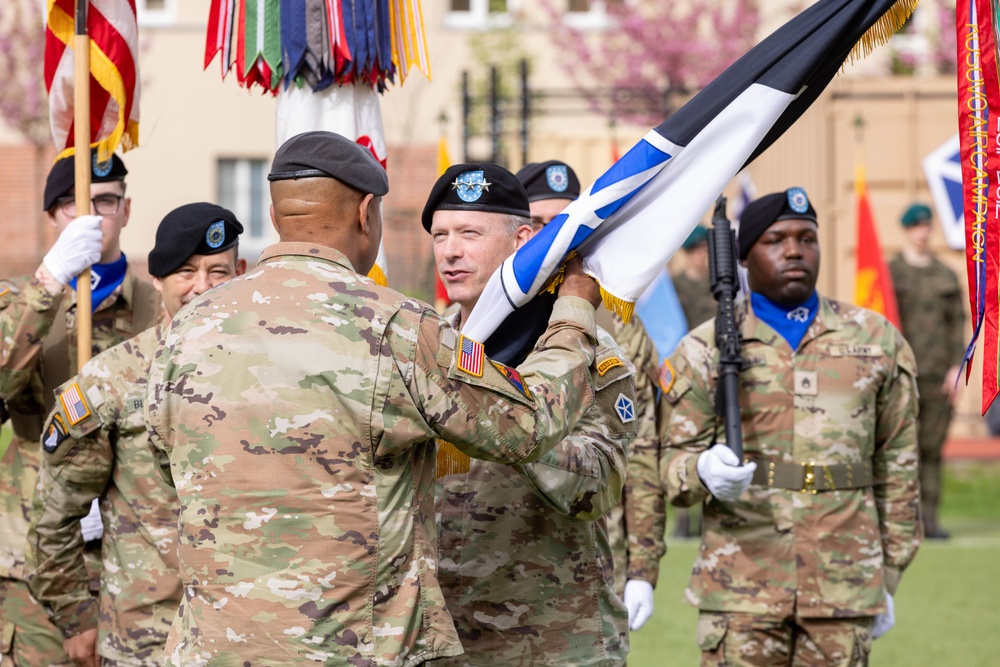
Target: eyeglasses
[102,204]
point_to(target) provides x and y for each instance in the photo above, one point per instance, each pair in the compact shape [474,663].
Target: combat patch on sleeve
[607,364]
[55,434]
[666,376]
[514,378]
[469,356]
[625,407]
[74,405]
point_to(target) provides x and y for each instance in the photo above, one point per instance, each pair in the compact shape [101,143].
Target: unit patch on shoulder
[608,364]
[55,434]
[74,404]
[666,376]
[470,355]
[514,378]
[625,408]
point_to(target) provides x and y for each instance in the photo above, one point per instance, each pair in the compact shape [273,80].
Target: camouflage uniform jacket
[846,395]
[298,405]
[525,562]
[106,454]
[932,315]
[636,525]
[36,356]
[696,299]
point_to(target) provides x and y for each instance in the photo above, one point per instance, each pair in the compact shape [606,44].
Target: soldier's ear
[364,210]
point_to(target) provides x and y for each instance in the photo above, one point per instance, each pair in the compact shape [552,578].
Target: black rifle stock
[725,284]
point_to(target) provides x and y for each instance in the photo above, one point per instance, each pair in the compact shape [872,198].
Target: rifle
[725,284]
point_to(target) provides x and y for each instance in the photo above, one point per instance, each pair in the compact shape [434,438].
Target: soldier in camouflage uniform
[803,546]
[933,320]
[636,525]
[525,562]
[106,455]
[298,405]
[692,283]
[38,349]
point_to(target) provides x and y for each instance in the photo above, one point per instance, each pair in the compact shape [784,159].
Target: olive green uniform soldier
[692,282]
[38,352]
[637,524]
[298,405]
[107,455]
[525,561]
[932,316]
[803,546]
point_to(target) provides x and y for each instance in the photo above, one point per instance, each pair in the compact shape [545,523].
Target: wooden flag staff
[81,163]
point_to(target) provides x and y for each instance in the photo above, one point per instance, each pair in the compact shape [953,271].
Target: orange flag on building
[873,287]
[441,300]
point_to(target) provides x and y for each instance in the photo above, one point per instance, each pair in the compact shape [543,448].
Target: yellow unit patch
[667,376]
[608,364]
[74,405]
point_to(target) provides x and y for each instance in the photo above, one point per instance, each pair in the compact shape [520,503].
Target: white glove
[77,248]
[92,526]
[639,601]
[720,470]
[884,621]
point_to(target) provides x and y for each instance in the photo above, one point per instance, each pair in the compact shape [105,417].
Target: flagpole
[81,163]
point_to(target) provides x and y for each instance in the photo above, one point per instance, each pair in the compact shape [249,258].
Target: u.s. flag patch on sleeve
[470,356]
[666,376]
[74,404]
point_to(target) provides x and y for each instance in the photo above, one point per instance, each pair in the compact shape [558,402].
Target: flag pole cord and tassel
[81,164]
[883,29]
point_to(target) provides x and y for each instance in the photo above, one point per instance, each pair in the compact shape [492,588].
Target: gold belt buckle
[809,479]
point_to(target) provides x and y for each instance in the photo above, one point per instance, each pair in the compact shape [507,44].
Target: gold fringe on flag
[617,305]
[883,29]
[450,460]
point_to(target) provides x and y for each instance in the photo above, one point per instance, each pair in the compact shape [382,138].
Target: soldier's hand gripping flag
[635,216]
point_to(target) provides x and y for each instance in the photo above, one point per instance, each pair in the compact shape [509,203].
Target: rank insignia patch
[216,234]
[666,376]
[55,434]
[515,379]
[608,364]
[557,177]
[471,185]
[625,408]
[470,356]
[76,408]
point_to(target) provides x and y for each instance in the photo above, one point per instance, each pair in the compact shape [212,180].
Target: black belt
[813,477]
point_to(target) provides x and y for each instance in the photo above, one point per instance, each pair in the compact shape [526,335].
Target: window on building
[156,12]
[479,13]
[242,188]
[592,14]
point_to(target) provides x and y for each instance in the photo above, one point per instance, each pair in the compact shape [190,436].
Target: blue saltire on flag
[661,313]
[664,185]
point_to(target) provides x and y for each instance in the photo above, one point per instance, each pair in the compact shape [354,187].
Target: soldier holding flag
[803,545]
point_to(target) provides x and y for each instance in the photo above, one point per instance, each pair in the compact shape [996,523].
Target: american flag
[72,401]
[470,359]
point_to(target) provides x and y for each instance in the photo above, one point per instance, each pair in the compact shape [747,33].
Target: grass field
[947,607]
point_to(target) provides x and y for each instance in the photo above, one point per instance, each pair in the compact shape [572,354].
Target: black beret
[62,176]
[761,213]
[192,229]
[329,155]
[549,180]
[486,187]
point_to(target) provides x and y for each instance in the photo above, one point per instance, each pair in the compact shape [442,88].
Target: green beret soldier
[803,546]
[636,525]
[525,561]
[95,447]
[38,349]
[298,405]
[932,317]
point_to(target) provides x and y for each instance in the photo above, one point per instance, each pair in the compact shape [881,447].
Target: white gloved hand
[720,470]
[92,526]
[639,601]
[77,248]
[884,621]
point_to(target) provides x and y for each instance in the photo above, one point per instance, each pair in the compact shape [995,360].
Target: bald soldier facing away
[298,405]
[106,454]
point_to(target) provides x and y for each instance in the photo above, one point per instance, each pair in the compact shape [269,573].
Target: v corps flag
[635,216]
[114,75]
